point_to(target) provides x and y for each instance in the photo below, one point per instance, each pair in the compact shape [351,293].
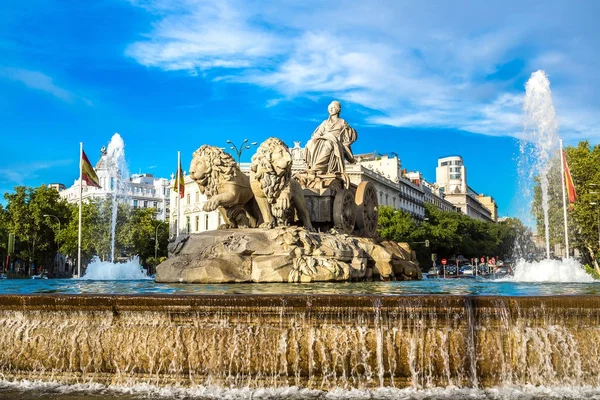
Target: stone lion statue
[225,186]
[279,196]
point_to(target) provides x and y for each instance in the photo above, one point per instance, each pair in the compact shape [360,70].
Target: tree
[396,225]
[584,163]
[26,218]
[451,234]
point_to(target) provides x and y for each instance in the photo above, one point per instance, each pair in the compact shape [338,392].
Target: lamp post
[240,149]
[58,220]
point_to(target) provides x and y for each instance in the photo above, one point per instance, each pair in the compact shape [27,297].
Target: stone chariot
[333,202]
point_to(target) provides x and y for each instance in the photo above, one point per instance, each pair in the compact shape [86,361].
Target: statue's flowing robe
[329,145]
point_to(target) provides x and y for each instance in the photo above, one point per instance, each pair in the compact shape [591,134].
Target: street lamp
[593,203]
[240,149]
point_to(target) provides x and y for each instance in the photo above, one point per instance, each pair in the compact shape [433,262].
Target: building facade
[451,179]
[451,175]
[140,190]
[489,203]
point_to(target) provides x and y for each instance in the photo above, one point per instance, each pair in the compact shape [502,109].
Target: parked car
[467,270]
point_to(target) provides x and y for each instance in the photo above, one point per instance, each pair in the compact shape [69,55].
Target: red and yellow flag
[87,172]
[569,181]
[179,185]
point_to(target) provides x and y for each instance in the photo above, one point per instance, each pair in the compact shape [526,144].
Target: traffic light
[427,243]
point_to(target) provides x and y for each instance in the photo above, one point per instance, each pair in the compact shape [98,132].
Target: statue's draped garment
[329,145]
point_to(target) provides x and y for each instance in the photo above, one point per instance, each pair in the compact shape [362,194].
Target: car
[467,270]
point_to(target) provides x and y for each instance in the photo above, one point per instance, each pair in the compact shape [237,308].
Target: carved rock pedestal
[286,254]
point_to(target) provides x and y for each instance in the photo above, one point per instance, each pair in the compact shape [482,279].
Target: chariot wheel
[344,211]
[367,211]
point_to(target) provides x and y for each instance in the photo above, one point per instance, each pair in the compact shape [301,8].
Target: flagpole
[178,194]
[80,201]
[562,176]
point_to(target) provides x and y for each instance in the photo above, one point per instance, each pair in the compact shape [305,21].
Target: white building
[451,175]
[431,191]
[140,190]
[451,179]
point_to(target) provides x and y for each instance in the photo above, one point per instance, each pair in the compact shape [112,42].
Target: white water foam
[529,392]
[108,271]
[568,270]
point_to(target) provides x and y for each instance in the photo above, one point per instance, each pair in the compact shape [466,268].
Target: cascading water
[340,344]
[540,139]
[539,146]
[118,175]
[117,167]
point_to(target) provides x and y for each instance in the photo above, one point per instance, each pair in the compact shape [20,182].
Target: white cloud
[20,174]
[39,81]
[417,64]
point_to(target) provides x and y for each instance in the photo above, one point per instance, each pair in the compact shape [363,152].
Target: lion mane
[222,167]
[263,171]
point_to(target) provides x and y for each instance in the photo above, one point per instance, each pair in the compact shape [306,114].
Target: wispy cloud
[39,81]
[21,174]
[442,64]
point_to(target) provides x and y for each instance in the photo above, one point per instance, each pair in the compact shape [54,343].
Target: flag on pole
[572,194]
[87,172]
[179,185]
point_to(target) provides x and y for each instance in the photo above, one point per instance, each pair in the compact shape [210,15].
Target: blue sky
[421,79]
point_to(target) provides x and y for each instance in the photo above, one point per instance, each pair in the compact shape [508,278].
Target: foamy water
[108,271]
[36,390]
[568,270]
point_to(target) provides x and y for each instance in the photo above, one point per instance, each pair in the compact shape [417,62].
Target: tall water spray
[118,173]
[540,139]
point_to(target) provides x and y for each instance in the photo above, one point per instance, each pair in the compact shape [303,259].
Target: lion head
[211,165]
[272,167]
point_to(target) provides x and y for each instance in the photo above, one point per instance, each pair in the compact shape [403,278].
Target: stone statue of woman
[330,143]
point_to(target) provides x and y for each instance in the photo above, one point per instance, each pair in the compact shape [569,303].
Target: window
[454,176]
[155,204]
[206,222]
[135,204]
[187,224]
[197,197]
[189,198]
[197,223]
[145,204]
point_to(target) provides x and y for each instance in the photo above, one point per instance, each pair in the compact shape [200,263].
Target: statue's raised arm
[329,145]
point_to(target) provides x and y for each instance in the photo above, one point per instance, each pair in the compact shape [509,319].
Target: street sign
[444,261]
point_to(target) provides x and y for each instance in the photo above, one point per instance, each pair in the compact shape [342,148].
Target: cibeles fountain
[370,342]
[314,226]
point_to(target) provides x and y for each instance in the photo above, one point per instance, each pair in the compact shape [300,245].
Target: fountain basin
[316,341]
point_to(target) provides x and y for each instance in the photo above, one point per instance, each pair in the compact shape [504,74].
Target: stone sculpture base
[285,254]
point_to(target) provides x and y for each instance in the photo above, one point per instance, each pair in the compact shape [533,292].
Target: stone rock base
[285,254]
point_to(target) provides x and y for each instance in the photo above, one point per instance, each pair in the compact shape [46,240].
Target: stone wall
[324,342]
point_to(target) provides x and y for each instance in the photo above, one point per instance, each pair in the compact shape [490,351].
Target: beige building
[489,203]
[59,187]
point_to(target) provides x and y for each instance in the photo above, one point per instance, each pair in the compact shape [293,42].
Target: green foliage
[451,234]
[583,219]
[26,217]
[39,237]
